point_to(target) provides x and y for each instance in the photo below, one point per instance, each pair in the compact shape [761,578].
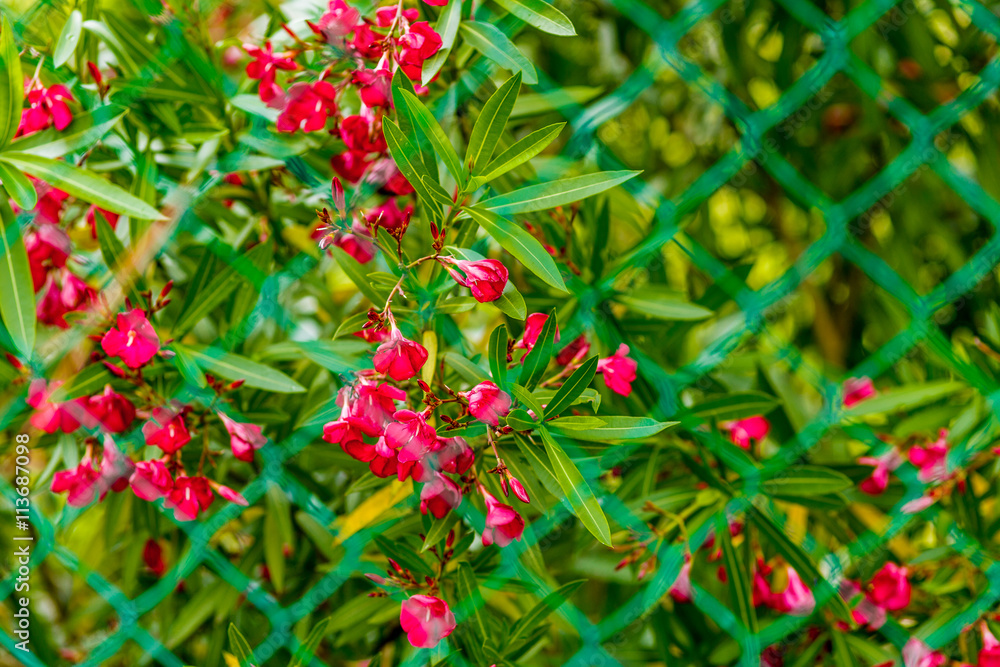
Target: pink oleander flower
[681,590]
[384,16]
[485,278]
[503,524]
[931,459]
[989,655]
[65,293]
[879,480]
[411,435]
[243,438]
[166,430]
[361,134]
[857,390]
[350,165]
[48,248]
[865,612]
[189,497]
[151,480]
[229,494]
[890,588]
[264,67]
[453,455]
[532,330]
[389,216]
[116,468]
[338,21]
[742,431]
[374,87]
[918,654]
[436,3]
[574,352]
[439,496]
[81,483]
[134,341]
[618,371]
[50,416]
[487,402]
[796,599]
[400,358]
[367,42]
[417,45]
[152,556]
[307,107]
[426,620]
[110,410]
[44,107]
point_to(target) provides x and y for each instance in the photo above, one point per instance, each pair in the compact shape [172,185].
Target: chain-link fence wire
[599,641]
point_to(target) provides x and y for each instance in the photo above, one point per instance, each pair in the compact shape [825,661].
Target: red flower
[134,341]
[307,107]
[436,3]
[350,165]
[796,599]
[918,654]
[989,655]
[362,135]
[681,590]
[411,435]
[417,45]
[151,480]
[243,438]
[485,278]
[374,86]
[80,483]
[503,523]
[46,106]
[47,247]
[384,16]
[116,468]
[857,390]
[112,411]
[742,431]
[389,216]
[487,402]
[152,556]
[338,21]
[619,371]
[366,42]
[426,620]
[65,293]
[400,358]
[189,497]
[890,588]
[453,455]
[532,330]
[49,416]
[574,352]
[167,430]
[931,459]
[879,480]
[439,496]
[265,66]
[229,494]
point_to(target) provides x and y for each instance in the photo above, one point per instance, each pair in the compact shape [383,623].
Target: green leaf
[404,555]
[439,530]
[491,122]
[68,39]
[519,420]
[577,423]
[428,125]
[407,158]
[740,583]
[18,187]
[82,184]
[498,355]
[802,563]
[537,360]
[220,284]
[115,257]
[447,27]
[526,399]
[540,14]
[592,396]
[519,243]
[472,600]
[557,193]
[572,388]
[86,130]
[187,366]
[663,308]
[527,623]
[519,153]
[495,45]
[577,491]
[906,398]
[235,367]
[511,303]
[273,555]
[623,428]
[356,273]
[538,465]
[240,647]
[806,480]
[738,405]
[308,648]
[17,293]
[11,84]
[842,654]
[467,369]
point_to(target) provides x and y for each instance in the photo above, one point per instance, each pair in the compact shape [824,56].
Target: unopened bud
[519,490]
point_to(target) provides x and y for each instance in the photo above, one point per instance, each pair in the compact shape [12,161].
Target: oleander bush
[449,332]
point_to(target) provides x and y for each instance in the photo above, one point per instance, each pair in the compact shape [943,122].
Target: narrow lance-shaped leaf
[82,184]
[520,152]
[498,355]
[447,27]
[577,491]
[68,38]
[428,125]
[11,84]
[407,159]
[240,647]
[556,193]
[235,367]
[17,293]
[527,623]
[519,243]
[492,43]
[740,584]
[84,131]
[468,592]
[540,14]
[537,360]
[18,187]
[572,387]
[491,122]
[308,648]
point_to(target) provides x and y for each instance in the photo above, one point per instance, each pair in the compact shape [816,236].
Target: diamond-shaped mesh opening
[840,138]
[927,52]
[923,256]
[967,146]
[740,44]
